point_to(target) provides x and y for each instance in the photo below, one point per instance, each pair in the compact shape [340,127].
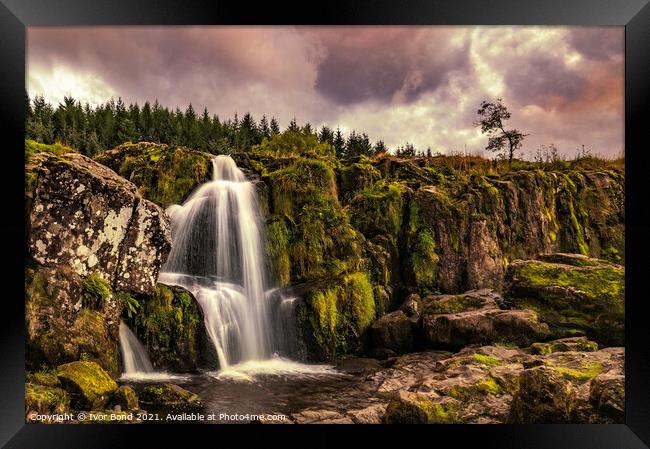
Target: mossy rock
[126,398]
[167,394]
[581,344]
[413,408]
[46,378]
[90,387]
[164,174]
[45,399]
[59,330]
[333,317]
[544,396]
[170,325]
[589,298]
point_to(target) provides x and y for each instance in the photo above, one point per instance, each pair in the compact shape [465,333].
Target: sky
[422,85]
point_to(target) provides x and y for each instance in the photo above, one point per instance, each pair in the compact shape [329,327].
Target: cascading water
[218,255]
[135,358]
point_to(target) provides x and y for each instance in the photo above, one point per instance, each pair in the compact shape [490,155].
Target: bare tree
[492,118]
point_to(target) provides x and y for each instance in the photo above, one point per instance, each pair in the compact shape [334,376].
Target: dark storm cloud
[417,84]
[385,64]
[597,43]
[544,79]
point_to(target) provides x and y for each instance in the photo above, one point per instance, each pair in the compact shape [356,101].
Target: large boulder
[89,385]
[571,293]
[413,408]
[474,318]
[392,331]
[82,215]
[68,318]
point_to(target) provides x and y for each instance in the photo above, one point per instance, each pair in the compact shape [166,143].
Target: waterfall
[218,255]
[136,360]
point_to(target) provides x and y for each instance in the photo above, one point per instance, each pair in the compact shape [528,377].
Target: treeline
[95,129]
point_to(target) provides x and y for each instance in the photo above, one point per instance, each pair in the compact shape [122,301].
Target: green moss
[96,290]
[377,210]
[47,378]
[425,260]
[33,147]
[409,408]
[163,174]
[455,304]
[88,383]
[477,390]
[488,360]
[169,323]
[587,371]
[341,313]
[277,246]
[168,394]
[46,399]
[605,282]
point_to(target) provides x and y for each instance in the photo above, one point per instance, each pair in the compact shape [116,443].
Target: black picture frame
[15,15]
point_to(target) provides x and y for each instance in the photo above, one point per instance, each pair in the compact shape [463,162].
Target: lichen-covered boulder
[167,394]
[68,318]
[84,216]
[573,293]
[90,387]
[392,331]
[45,400]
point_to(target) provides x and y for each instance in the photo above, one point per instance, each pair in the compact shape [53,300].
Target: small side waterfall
[136,360]
[218,255]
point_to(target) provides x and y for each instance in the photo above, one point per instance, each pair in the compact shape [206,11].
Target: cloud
[416,84]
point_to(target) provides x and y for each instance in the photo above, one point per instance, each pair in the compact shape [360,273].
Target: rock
[413,408]
[485,326]
[372,414]
[46,400]
[588,298]
[90,387]
[544,396]
[564,345]
[607,395]
[165,175]
[60,329]
[465,302]
[334,315]
[320,417]
[571,387]
[170,325]
[125,398]
[84,216]
[392,331]
[411,306]
[167,394]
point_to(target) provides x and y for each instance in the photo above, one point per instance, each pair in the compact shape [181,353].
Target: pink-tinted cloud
[416,84]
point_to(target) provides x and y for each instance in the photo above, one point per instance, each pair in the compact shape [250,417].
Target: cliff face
[356,237]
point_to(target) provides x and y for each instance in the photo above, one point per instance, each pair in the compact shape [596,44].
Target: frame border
[15,15]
